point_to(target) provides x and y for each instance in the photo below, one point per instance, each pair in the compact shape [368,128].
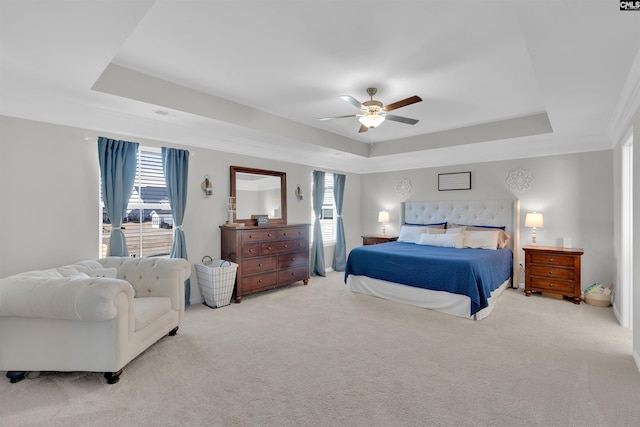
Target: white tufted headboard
[470,212]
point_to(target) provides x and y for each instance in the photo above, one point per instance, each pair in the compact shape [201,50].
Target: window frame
[136,202]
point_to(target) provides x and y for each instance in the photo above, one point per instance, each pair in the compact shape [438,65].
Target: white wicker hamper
[216,282]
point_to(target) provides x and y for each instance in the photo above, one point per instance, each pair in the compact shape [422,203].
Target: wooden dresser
[553,270]
[267,256]
[374,239]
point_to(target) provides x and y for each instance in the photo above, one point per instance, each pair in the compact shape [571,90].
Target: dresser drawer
[250,250]
[293,274]
[290,260]
[552,272]
[258,282]
[293,233]
[258,235]
[544,284]
[552,259]
[282,247]
[259,265]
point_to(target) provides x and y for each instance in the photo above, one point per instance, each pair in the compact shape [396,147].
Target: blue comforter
[472,272]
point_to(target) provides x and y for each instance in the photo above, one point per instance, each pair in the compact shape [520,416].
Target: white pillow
[456,230]
[442,240]
[411,233]
[481,239]
[110,273]
[431,230]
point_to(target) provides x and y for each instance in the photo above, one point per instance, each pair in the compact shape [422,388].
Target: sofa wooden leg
[112,377]
[16,376]
[173,331]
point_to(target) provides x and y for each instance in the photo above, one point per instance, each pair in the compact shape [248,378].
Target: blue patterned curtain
[340,253]
[175,164]
[317,249]
[118,162]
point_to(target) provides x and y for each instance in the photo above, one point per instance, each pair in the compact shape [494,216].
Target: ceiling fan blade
[351,100]
[403,103]
[363,128]
[337,117]
[401,119]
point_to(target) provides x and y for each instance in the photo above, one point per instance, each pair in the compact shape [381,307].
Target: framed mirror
[259,192]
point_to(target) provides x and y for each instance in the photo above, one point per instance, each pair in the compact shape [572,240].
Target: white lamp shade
[371,120]
[534,219]
[383,216]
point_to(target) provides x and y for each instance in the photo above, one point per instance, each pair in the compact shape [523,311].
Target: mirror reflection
[257,195]
[259,192]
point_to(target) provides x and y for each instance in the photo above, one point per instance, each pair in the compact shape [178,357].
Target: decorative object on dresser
[553,270]
[534,220]
[383,217]
[374,239]
[268,256]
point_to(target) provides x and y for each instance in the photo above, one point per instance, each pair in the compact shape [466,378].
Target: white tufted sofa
[96,315]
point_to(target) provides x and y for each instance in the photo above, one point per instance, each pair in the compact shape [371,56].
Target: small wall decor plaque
[454,181]
[403,187]
[520,179]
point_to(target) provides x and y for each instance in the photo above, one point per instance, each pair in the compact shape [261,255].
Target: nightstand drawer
[544,284]
[552,272]
[552,259]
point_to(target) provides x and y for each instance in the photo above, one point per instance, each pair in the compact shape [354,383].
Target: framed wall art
[454,181]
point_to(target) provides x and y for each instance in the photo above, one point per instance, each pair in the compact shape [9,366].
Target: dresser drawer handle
[285,246]
[550,259]
[550,271]
[269,248]
[284,234]
[293,259]
[268,234]
[250,250]
[551,285]
[260,264]
[259,280]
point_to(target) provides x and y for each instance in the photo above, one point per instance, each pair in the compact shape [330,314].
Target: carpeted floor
[319,355]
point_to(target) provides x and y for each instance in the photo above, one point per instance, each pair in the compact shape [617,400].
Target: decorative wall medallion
[520,180]
[403,187]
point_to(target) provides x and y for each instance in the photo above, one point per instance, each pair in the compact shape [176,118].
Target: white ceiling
[499,79]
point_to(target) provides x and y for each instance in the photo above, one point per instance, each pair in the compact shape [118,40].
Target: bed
[464,282]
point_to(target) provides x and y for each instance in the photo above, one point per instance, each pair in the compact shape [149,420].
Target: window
[328,213]
[148,224]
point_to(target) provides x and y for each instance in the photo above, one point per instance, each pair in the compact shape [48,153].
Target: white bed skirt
[445,302]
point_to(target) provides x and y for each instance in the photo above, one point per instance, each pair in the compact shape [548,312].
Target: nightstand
[553,270]
[374,239]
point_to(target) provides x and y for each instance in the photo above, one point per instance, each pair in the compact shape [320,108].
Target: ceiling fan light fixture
[371,120]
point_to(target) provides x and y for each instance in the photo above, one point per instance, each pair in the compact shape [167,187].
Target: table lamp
[534,220]
[383,217]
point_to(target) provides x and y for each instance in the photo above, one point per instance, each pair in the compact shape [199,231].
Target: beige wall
[49,196]
[572,191]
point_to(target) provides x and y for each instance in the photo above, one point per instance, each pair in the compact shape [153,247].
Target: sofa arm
[153,277]
[69,298]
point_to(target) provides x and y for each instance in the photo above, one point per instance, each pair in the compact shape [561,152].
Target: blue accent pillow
[434,225]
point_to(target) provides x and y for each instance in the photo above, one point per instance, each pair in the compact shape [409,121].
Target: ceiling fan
[373,112]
